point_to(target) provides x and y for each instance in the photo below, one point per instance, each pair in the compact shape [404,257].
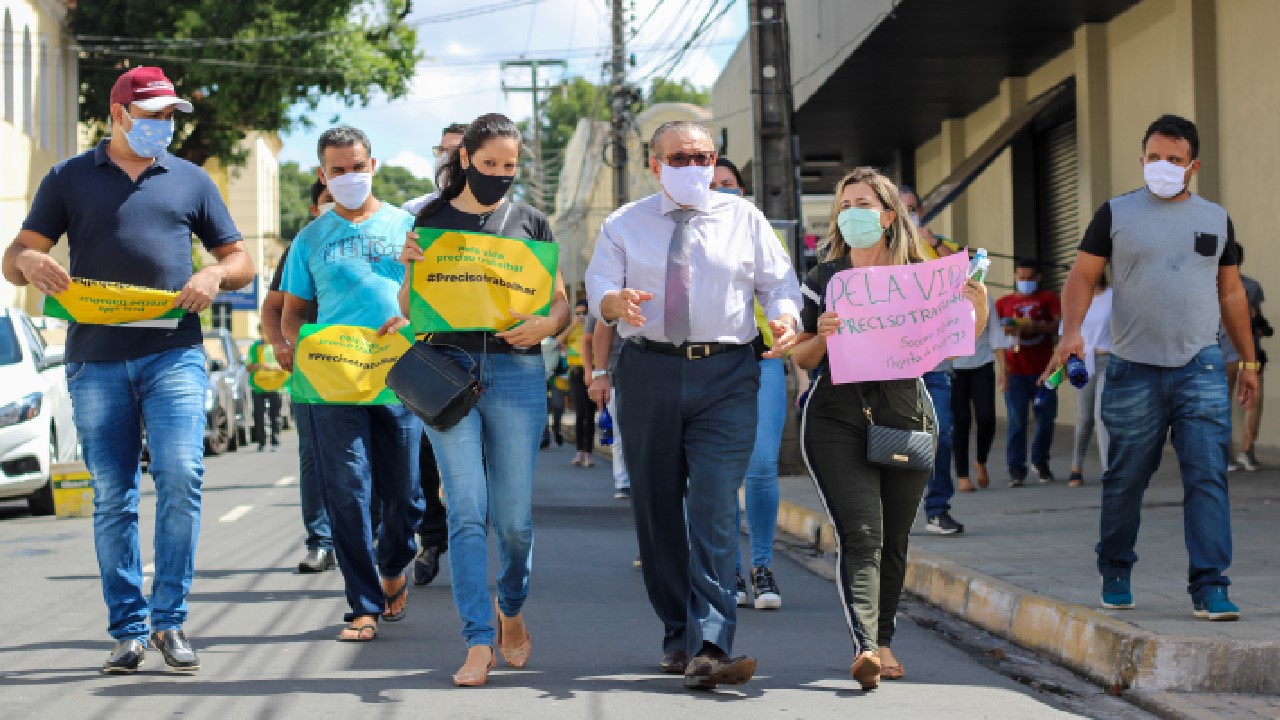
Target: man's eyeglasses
[683,159]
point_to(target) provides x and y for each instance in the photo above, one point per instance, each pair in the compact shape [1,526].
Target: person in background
[937,497]
[1030,319]
[315,518]
[973,402]
[1096,331]
[266,403]
[557,391]
[760,486]
[1252,419]
[871,507]
[346,262]
[584,410]
[129,209]
[450,139]
[678,271]
[487,460]
[606,346]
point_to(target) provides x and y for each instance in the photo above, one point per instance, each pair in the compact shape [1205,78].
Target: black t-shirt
[279,275]
[510,219]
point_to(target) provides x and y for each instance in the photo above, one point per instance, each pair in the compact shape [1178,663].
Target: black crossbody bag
[896,448]
[434,386]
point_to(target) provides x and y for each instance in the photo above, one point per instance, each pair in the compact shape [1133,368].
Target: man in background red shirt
[1030,318]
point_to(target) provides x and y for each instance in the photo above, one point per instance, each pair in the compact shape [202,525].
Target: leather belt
[689,351]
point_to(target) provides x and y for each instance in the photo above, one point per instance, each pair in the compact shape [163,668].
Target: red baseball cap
[148,88]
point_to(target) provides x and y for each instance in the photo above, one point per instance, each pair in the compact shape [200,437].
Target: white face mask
[352,189]
[1164,179]
[324,207]
[687,185]
[915,219]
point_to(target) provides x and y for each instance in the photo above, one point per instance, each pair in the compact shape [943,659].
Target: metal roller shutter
[1057,209]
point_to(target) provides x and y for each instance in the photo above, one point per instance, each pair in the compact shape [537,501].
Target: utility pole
[775,174]
[620,106]
[534,90]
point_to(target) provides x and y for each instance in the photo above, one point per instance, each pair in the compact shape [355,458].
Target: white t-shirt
[414,206]
[1095,330]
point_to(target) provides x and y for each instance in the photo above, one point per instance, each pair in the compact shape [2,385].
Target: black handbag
[896,448]
[434,386]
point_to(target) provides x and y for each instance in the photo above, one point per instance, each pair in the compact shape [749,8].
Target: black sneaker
[740,586]
[1043,473]
[1017,479]
[943,524]
[177,651]
[126,658]
[765,589]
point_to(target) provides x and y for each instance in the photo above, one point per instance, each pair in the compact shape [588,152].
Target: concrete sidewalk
[1024,569]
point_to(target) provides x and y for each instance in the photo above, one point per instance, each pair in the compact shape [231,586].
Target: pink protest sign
[899,321]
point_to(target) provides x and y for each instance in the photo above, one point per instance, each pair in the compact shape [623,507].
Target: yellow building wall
[1141,51]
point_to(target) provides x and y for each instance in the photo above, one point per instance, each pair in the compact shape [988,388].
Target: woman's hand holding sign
[828,324]
[532,330]
[976,293]
[392,326]
[411,252]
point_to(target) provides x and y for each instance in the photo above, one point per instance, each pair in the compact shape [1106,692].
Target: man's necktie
[675,303]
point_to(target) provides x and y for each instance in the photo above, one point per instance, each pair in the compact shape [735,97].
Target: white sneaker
[1246,462]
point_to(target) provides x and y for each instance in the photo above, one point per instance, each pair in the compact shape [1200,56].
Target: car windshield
[216,350]
[10,353]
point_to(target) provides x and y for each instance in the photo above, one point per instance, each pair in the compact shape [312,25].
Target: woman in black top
[871,507]
[487,460]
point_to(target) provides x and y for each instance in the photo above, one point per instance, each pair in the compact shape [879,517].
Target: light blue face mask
[150,138]
[730,191]
[860,227]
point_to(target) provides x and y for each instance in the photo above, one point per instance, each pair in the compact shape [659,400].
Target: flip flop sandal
[360,630]
[395,597]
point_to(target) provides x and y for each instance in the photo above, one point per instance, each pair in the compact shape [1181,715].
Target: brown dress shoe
[673,663]
[705,672]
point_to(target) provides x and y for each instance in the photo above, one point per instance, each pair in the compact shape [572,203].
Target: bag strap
[866,409]
[474,365]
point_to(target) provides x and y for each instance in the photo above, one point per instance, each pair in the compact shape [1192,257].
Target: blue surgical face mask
[730,191]
[1026,287]
[860,227]
[149,138]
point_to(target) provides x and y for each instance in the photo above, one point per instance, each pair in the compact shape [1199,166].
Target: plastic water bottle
[979,265]
[1077,373]
[606,427]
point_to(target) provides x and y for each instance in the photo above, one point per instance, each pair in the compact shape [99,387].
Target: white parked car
[36,429]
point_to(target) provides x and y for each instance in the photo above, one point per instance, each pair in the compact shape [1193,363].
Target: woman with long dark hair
[487,460]
[871,507]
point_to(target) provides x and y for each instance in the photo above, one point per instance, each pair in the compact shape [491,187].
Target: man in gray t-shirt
[1175,269]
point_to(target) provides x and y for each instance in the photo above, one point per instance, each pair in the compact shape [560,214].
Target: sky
[460,79]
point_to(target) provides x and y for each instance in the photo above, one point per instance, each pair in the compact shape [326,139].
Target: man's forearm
[1239,325]
[272,310]
[290,326]
[11,271]
[234,270]
[601,343]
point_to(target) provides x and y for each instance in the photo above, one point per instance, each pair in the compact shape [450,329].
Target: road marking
[236,513]
[286,480]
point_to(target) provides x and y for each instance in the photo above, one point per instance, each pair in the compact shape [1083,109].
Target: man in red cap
[128,209]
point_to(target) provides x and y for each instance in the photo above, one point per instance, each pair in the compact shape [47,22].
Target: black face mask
[488,189]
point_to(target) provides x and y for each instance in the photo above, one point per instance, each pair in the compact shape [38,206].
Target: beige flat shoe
[515,655]
[472,677]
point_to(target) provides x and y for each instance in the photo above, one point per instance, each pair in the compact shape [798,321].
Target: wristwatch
[599,373]
[1254,366]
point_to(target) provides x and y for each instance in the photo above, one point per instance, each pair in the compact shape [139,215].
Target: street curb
[1115,654]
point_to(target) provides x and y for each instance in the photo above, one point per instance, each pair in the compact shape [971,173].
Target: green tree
[295,198]
[662,90]
[245,64]
[394,184]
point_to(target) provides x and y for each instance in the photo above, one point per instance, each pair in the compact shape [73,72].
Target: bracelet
[1253,366]
[599,374]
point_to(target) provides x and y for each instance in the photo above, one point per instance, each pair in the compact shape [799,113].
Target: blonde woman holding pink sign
[871,506]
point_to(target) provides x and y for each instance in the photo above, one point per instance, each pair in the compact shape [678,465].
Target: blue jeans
[363,449]
[1140,405]
[315,519]
[1017,400]
[761,484]
[111,402]
[486,468]
[937,498]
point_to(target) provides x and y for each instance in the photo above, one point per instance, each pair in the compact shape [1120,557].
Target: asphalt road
[266,634]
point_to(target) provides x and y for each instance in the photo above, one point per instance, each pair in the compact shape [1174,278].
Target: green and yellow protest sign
[473,281]
[345,365]
[265,380]
[97,302]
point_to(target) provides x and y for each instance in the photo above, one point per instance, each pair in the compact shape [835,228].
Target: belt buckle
[697,352]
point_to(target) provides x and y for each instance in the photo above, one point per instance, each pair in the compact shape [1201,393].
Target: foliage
[391,184]
[664,91]
[244,64]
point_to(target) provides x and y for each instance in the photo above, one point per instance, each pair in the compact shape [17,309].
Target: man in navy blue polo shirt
[128,209]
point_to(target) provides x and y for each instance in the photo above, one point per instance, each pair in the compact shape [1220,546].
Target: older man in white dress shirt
[680,270]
